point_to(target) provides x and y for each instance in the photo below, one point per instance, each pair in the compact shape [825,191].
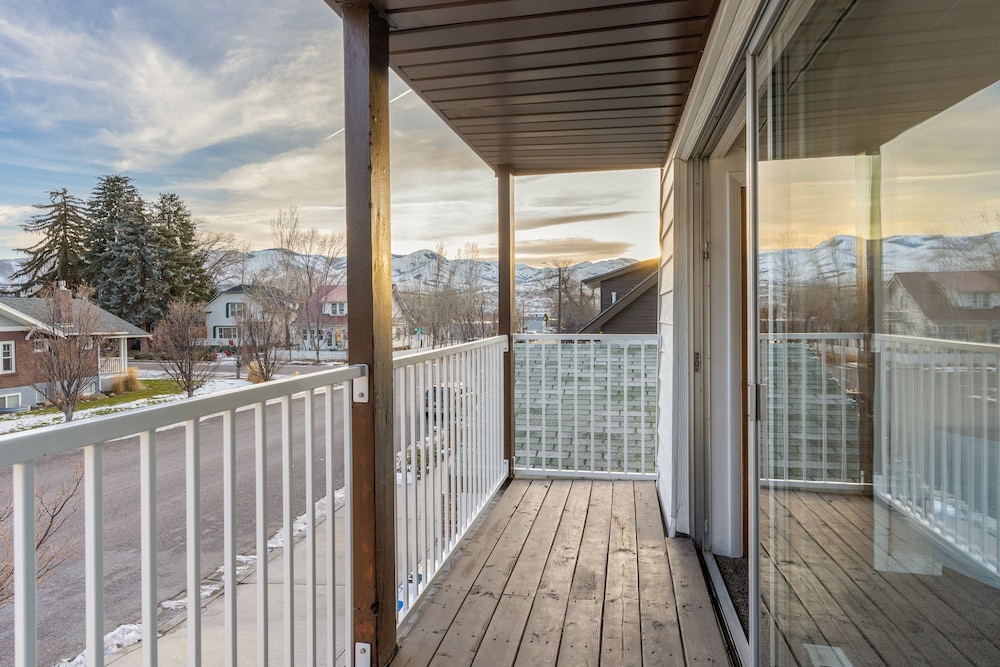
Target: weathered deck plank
[423,639]
[661,631]
[907,619]
[702,638]
[544,628]
[465,633]
[503,635]
[569,573]
[621,634]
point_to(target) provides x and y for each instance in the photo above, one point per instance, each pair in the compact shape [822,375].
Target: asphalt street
[61,596]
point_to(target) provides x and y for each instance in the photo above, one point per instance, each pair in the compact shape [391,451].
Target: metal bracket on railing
[362,654]
[360,389]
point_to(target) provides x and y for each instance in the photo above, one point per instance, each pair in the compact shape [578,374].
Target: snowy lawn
[21,421]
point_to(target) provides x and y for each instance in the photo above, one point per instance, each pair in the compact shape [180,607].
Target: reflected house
[951,305]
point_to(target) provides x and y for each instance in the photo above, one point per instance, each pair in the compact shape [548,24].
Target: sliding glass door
[876,127]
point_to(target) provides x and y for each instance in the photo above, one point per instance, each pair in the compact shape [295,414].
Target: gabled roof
[927,289]
[34,312]
[645,267]
[251,291]
[595,325]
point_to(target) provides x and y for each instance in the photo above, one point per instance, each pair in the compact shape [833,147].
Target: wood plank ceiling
[551,86]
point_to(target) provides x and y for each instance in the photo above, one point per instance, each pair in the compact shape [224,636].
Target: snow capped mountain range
[837,256]
[423,266]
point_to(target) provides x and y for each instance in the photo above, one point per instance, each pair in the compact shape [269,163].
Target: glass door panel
[878,280]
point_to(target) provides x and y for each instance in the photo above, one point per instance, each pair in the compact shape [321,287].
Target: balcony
[552,567]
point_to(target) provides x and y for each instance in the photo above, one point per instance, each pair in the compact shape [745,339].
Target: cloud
[549,250]
[11,218]
[551,221]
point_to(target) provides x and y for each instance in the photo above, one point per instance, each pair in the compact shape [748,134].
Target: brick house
[26,326]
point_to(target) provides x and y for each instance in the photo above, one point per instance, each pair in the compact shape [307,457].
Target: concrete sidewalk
[173,641]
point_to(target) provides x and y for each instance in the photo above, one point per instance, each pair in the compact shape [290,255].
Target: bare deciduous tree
[310,260]
[66,347]
[260,328]
[575,304]
[52,510]
[225,257]
[977,248]
[177,345]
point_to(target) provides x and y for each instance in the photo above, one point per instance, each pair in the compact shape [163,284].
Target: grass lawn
[108,404]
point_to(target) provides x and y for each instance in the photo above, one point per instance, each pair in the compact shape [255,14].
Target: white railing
[112,366]
[585,405]
[449,454]
[939,433]
[21,451]
[813,418]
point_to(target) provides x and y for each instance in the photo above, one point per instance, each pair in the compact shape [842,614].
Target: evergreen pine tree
[190,281]
[59,255]
[127,260]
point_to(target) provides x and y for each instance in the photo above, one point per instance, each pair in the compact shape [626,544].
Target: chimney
[62,304]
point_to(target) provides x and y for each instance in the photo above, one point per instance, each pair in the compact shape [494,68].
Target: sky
[237,107]
[940,176]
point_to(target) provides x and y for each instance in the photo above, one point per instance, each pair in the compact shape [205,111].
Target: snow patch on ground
[206,591]
[299,525]
[23,421]
[121,637]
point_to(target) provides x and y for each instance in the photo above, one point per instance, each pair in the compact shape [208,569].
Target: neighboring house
[953,305]
[326,312]
[330,304]
[25,325]
[628,299]
[222,313]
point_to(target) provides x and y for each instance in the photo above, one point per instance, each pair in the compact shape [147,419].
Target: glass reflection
[879,319]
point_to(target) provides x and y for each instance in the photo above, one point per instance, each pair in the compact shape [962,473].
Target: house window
[10,401]
[235,309]
[335,308]
[7,357]
[40,345]
[225,332]
[40,396]
[981,300]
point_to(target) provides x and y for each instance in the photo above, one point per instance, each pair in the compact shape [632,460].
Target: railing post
[505,306]
[369,312]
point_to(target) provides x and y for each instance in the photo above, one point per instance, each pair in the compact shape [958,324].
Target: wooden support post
[369,315]
[505,306]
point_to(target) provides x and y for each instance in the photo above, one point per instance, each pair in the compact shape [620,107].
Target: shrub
[254,373]
[127,382]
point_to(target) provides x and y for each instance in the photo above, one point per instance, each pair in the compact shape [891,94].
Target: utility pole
[559,308]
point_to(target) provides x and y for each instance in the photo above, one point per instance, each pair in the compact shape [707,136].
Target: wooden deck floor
[820,586]
[565,572]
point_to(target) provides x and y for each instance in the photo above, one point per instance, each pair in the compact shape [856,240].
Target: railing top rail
[938,343]
[407,358]
[30,445]
[642,338]
[852,335]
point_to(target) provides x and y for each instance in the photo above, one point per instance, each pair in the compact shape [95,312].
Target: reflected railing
[813,416]
[939,434]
